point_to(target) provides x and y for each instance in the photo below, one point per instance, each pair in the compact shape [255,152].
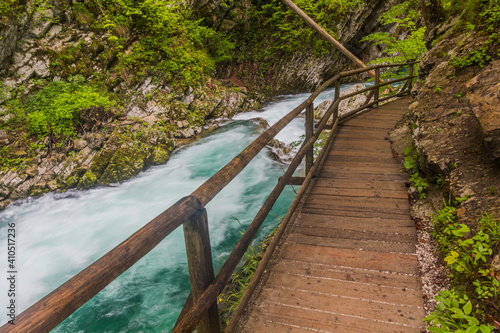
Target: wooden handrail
[66,299]
[51,310]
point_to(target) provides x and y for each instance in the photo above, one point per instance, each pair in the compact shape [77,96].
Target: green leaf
[437,330]
[468,308]
[485,329]
[472,329]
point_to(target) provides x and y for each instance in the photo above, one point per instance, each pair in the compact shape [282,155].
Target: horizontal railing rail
[201,308]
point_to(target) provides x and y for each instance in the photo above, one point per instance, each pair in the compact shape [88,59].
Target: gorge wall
[60,41]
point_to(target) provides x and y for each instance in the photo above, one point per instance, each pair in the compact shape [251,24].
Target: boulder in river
[346,105]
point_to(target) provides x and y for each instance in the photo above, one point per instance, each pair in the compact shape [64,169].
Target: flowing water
[58,235]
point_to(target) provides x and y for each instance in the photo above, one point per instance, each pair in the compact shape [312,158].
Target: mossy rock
[88,180]
[72,181]
[103,158]
[160,156]
[125,163]
[37,192]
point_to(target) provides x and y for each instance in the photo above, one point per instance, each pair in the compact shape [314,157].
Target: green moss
[72,181]
[125,163]
[160,155]
[36,192]
[88,180]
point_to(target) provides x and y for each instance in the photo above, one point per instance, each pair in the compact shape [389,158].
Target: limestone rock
[280,151]
[345,105]
[495,263]
[9,35]
[41,68]
[41,23]
[484,97]
[80,144]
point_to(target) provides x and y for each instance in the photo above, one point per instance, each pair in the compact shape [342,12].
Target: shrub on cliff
[405,16]
[54,109]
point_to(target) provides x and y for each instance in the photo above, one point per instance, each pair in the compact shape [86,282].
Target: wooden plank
[303,302]
[389,160]
[372,223]
[395,295]
[362,143]
[268,320]
[364,130]
[340,146]
[361,184]
[353,235]
[356,153]
[339,174]
[380,126]
[375,164]
[376,193]
[360,212]
[360,244]
[347,201]
[369,277]
[393,262]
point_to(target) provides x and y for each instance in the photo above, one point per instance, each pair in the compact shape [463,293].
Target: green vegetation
[15,8]
[270,29]
[482,17]
[54,110]
[453,314]
[468,255]
[411,48]
[173,46]
[229,300]
[412,165]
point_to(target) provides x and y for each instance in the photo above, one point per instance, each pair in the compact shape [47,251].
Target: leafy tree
[412,47]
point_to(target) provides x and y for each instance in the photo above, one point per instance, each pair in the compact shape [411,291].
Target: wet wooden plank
[302,301]
[351,235]
[351,289]
[393,262]
[401,225]
[358,244]
[374,277]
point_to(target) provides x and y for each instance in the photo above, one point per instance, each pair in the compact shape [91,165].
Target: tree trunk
[433,15]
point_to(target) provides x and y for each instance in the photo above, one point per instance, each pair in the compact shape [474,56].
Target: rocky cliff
[60,41]
[455,118]
[56,43]
[306,70]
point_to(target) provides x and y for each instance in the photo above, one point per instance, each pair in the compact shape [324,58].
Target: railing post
[309,134]
[376,90]
[337,96]
[410,82]
[201,271]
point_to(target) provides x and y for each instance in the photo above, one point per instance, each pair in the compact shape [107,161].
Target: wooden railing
[200,309]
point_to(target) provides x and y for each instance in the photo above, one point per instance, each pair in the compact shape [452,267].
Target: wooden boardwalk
[348,262]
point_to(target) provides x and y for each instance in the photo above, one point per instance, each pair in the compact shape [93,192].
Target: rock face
[484,99]
[456,121]
[306,71]
[110,148]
